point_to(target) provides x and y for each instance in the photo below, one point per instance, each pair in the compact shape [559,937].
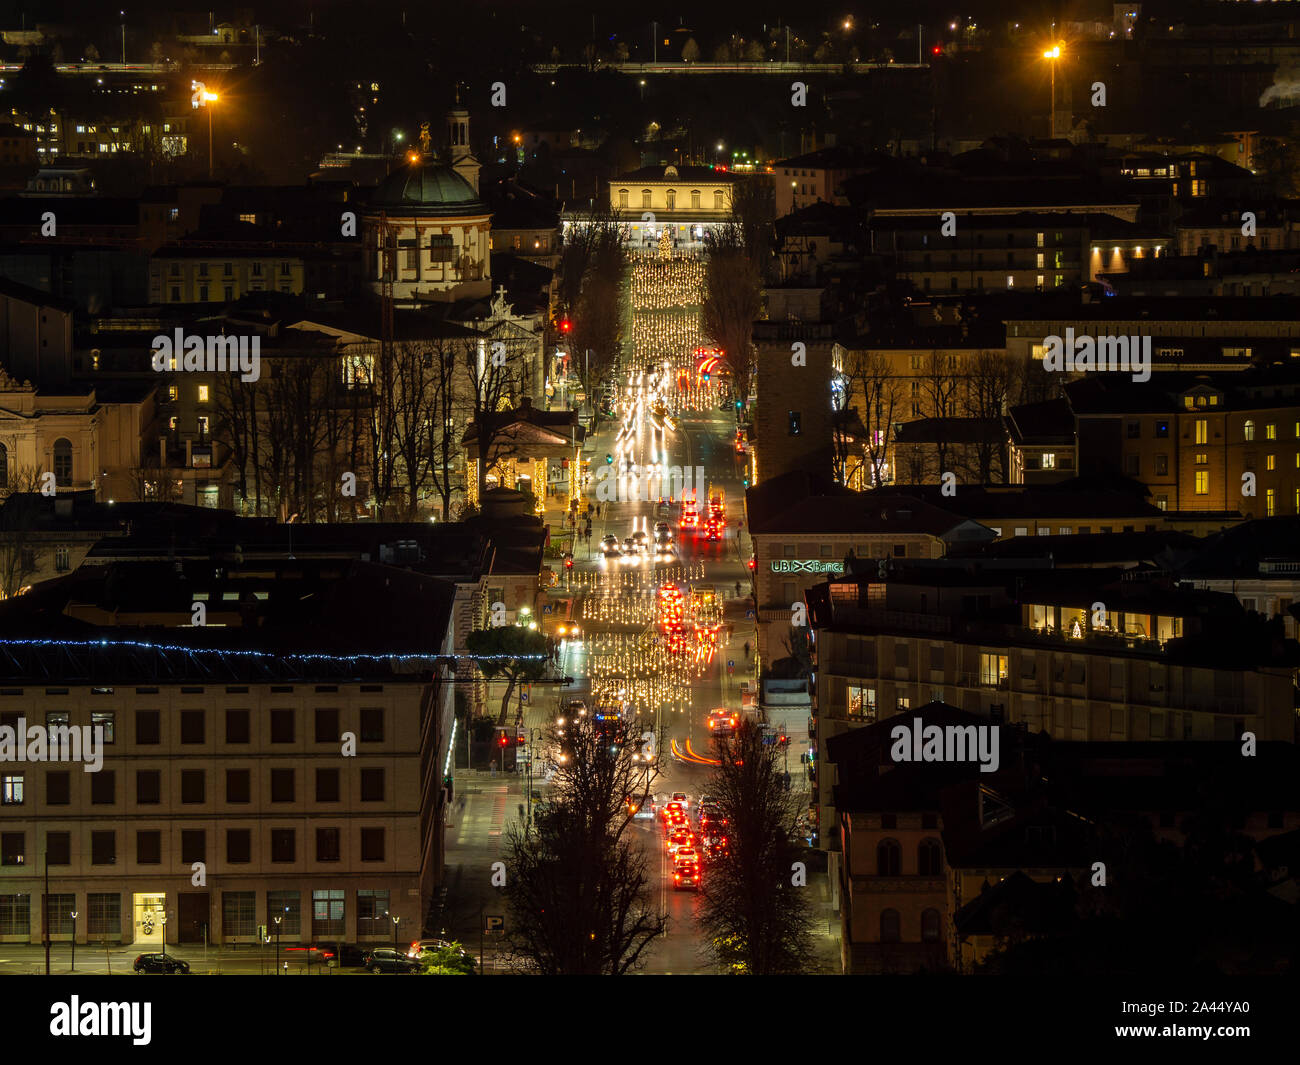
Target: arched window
[4,466]
[622,197]
[929,857]
[890,932]
[671,197]
[63,461]
[717,200]
[888,857]
[695,198]
[1249,429]
[929,926]
[645,197]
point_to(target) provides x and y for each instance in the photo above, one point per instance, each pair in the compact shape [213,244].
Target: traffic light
[738,404]
[501,740]
[753,563]
[568,563]
[566,326]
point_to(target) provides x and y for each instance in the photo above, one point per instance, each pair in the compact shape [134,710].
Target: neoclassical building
[438,230]
[687,201]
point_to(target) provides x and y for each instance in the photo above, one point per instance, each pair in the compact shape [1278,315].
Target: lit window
[203,393]
[1248,430]
[1049,460]
[1270,432]
[1202,482]
[1270,502]
[1202,431]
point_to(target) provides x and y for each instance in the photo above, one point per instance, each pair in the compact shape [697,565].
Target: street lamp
[396,921]
[277,943]
[122,16]
[163,922]
[73,967]
[209,98]
[1052,55]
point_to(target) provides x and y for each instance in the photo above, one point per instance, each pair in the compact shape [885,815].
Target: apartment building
[1024,251]
[1213,442]
[940,860]
[281,766]
[1080,654]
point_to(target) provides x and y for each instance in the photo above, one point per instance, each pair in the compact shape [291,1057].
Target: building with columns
[428,220]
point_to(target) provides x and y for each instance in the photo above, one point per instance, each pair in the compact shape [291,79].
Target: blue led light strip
[296,656]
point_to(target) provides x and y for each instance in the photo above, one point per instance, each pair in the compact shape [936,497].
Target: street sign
[731,663]
[548,608]
[494,923]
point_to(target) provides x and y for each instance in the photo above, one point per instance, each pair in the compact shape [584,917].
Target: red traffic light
[753,563]
[501,740]
[565,325]
[568,563]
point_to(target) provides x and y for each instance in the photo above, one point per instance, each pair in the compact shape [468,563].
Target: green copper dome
[426,188]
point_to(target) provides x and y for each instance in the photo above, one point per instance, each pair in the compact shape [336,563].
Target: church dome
[426,188]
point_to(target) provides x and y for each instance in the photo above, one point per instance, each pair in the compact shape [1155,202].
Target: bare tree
[576,882]
[869,379]
[593,266]
[942,388]
[753,210]
[21,550]
[988,392]
[731,302]
[755,913]
[444,440]
[492,395]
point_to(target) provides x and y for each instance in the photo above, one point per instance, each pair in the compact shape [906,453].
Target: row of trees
[983,385]
[578,883]
[589,284]
[394,423]
[740,260]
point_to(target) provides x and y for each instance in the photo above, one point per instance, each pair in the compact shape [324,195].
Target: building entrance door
[149,912]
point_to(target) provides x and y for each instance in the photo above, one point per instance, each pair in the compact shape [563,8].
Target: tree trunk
[505,702]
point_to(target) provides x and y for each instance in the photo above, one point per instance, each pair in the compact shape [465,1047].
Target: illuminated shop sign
[806,565]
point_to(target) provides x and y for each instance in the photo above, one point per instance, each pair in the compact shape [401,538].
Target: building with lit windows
[1082,654]
[285,762]
[686,202]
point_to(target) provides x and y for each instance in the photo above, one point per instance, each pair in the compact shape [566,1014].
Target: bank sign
[806,565]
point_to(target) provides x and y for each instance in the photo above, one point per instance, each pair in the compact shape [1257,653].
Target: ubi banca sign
[806,565]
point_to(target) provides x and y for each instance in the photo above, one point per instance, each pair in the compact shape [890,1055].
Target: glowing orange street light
[1052,55]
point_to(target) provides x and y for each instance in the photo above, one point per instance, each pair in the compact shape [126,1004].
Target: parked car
[160,963]
[344,955]
[388,960]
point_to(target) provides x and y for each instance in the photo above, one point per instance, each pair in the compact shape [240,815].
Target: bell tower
[459,154]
